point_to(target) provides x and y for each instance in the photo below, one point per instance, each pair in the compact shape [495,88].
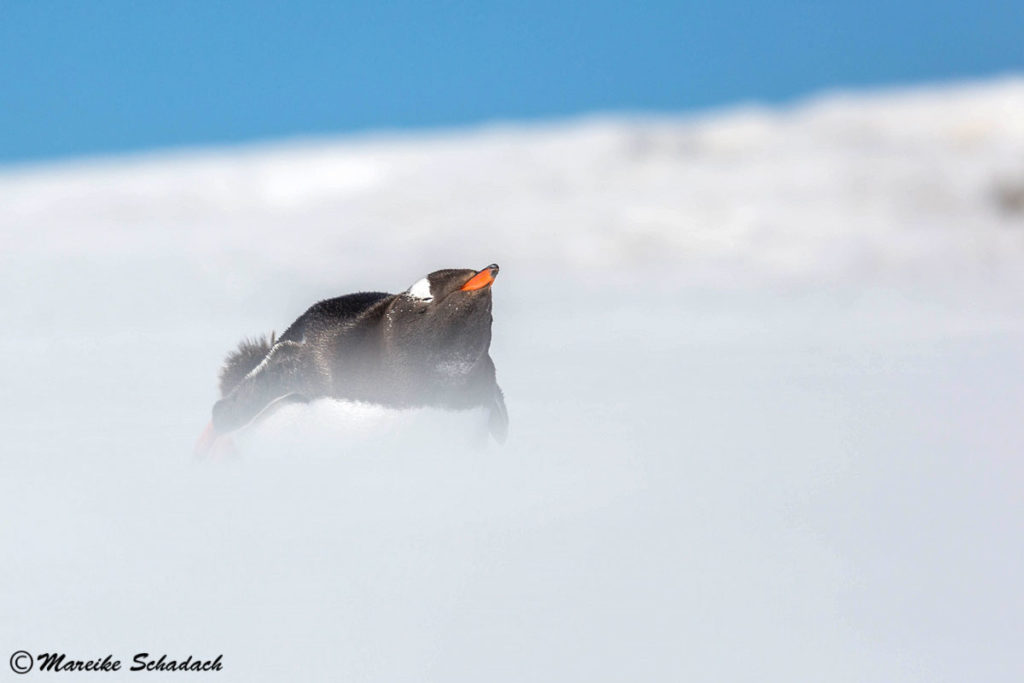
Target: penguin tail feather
[241,361]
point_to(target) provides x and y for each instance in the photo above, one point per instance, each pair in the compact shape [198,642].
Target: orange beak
[482,279]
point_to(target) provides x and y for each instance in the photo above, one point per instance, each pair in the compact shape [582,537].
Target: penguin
[426,346]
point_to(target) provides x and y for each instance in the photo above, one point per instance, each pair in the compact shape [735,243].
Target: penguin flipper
[277,404]
[498,420]
[281,373]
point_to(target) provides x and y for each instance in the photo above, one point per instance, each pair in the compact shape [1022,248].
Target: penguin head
[442,323]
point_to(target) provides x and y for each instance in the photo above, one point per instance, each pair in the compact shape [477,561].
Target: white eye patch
[421,290]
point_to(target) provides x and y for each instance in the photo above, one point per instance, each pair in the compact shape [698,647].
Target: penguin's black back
[330,313]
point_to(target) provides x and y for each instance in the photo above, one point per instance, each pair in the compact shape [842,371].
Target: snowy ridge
[839,187]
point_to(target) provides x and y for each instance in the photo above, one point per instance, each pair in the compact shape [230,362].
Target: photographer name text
[23,662]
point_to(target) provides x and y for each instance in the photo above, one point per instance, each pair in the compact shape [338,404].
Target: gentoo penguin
[427,346]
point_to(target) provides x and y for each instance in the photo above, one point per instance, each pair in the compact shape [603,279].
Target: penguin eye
[421,290]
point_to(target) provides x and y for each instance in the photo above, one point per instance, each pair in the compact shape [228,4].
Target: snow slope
[763,369]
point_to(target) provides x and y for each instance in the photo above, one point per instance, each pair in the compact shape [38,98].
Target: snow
[762,369]
[327,425]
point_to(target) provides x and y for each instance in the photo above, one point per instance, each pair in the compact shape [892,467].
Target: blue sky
[87,78]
